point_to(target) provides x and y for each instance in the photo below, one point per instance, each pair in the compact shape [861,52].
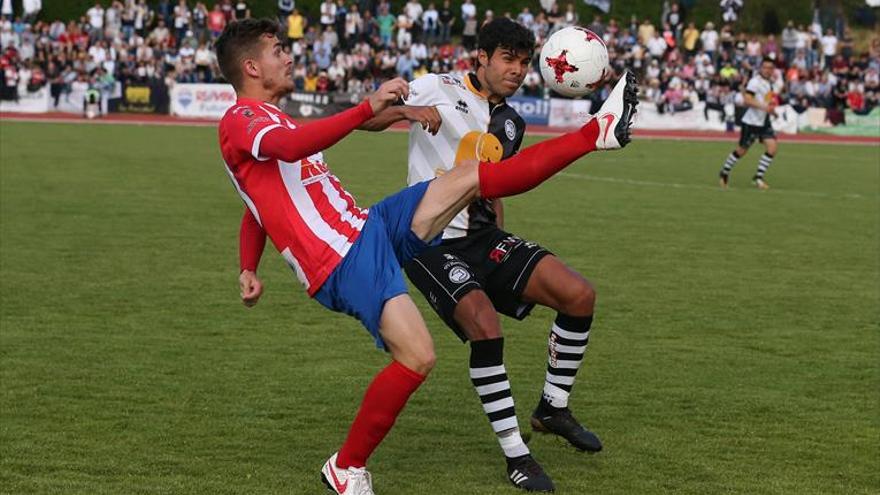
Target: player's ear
[250,67]
[483,57]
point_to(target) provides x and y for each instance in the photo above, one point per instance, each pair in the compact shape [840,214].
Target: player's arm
[427,116]
[251,242]
[752,102]
[498,207]
[291,145]
[418,107]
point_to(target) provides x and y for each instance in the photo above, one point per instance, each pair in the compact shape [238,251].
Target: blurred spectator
[242,11]
[730,10]
[285,8]
[446,20]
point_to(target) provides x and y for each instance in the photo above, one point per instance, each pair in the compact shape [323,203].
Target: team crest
[510,129]
[459,275]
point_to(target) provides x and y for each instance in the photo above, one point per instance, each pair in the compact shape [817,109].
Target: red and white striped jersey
[302,207]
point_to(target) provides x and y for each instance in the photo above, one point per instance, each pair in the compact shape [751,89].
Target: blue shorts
[370,272]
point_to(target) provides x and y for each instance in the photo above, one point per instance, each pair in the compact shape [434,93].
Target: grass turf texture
[735,349]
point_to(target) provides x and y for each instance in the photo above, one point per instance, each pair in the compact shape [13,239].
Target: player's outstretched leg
[447,195]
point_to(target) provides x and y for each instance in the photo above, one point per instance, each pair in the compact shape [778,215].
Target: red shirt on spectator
[855,99]
[216,21]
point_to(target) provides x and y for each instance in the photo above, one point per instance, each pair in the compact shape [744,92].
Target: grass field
[736,349]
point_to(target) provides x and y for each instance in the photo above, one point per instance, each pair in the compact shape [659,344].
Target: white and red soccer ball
[574,61]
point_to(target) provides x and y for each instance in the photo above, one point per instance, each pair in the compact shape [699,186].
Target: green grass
[735,350]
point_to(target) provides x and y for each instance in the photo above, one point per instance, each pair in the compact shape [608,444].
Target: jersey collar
[473,83]
[254,101]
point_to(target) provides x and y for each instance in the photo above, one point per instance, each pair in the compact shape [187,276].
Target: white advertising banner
[569,113]
[201,100]
[648,117]
[36,102]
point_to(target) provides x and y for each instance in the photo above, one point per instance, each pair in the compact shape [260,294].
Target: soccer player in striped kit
[347,258]
[480,269]
[761,102]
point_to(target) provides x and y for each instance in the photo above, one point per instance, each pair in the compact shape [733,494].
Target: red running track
[155,119]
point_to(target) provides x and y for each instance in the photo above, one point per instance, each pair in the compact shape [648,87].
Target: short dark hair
[768,60]
[505,33]
[239,40]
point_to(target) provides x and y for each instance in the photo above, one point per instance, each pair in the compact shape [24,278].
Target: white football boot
[348,481]
[615,118]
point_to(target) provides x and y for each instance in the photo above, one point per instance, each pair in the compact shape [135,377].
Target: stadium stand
[125,49]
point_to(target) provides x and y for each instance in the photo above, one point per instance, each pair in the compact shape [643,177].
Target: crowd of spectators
[351,47]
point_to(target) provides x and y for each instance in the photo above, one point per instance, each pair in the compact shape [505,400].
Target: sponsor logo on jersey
[503,249]
[461,106]
[451,81]
[510,129]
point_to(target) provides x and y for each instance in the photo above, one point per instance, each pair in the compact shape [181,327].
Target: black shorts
[492,260]
[752,132]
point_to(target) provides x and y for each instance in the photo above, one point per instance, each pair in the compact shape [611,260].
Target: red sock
[382,403]
[536,163]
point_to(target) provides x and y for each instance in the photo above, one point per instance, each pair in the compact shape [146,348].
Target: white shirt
[465,127]
[468,10]
[657,46]
[32,6]
[328,13]
[710,40]
[413,10]
[829,45]
[763,93]
[429,18]
[96,17]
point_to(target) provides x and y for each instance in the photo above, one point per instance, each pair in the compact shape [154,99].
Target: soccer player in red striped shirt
[349,258]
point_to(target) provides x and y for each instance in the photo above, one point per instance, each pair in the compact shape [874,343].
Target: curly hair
[505,33]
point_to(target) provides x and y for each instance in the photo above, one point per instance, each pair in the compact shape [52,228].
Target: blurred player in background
[349,258]
[481,270]
[761,103]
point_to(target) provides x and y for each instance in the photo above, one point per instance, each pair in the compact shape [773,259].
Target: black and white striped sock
[490,381]
[763,165]
[732,158]
[568,342]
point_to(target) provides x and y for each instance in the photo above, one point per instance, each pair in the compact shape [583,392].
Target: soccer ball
[574,61]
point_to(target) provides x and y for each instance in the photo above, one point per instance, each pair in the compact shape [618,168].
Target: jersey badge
[459,275]
[510,129]
[461,106]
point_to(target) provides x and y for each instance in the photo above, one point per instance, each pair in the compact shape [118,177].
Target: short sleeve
[754,86]
[245,127]
[424,91]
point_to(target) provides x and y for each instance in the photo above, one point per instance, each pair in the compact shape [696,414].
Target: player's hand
[251,287]
[388,93]
[771,109]
[428,117]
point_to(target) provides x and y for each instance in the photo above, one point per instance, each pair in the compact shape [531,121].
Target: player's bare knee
[424,362]
[581,300]
[477,317]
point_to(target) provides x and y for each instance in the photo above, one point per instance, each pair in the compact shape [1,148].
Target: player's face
[276,66]
[767,70]
[505,70]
